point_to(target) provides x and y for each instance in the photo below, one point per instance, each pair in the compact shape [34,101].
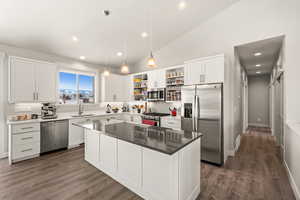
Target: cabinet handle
[37,96]
[27,128]
[26,150]
[27,138]
[34,96]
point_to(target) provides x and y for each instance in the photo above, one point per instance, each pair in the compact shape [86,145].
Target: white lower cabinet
[108,153]
[76,134]
[171,122]
[130,163]
[24,141]
[148,173]
[160,175]
[92,149]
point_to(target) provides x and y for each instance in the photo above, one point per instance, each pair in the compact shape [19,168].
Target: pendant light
[106,72]
[151,60]
[124,67]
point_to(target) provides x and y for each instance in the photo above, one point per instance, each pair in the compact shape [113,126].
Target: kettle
[173,111]
[108,108]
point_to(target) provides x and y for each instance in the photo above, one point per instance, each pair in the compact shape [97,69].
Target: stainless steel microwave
[158,94]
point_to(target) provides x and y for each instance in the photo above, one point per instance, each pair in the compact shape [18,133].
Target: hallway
[255,173]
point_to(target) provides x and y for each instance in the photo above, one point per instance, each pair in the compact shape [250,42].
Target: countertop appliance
[48,111]
[54,135]
[202,111]
[153,118]
[158,94]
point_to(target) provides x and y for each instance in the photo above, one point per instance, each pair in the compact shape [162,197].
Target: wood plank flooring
[255,173]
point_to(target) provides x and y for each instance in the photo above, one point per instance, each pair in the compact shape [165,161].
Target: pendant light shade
[106,73]
[125,69]
[151,61]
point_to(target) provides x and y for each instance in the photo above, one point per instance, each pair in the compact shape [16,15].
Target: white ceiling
[269,48]
[48,25]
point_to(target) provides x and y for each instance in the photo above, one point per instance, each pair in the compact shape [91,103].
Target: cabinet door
[108,154]
[130,163]
[195,73]
[127,88]
[76,134]
[152,79]
[161,78]
[46,78]
[214,70]
[113,88]
[92,142]
[22,83]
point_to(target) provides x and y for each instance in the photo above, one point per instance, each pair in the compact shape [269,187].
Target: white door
[92,142]
[46,77]
[108,153]
[152,84]
[214,70]
[22,83]
[161,78]
[194,73]
[76,134]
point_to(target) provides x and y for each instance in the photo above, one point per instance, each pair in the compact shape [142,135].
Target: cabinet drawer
[25,138]
[24,150]
[23,128]
[171,123]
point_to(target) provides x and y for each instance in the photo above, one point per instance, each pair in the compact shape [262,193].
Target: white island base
[150,174]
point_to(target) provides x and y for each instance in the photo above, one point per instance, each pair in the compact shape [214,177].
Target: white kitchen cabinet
[92,147]
[171,122]
[22,80]
[116,88]
[156,79]
[108,153]
[24,141]
[31,81]
[130,163]
[46,76]
[204,70]
[76,134]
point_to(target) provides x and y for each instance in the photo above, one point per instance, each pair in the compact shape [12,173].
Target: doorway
[263,85]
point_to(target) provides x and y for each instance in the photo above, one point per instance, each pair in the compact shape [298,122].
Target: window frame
[78,73]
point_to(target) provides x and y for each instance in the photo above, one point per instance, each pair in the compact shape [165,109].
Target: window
[75,87]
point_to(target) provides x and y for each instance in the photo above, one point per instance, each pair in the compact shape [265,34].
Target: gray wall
[258,100]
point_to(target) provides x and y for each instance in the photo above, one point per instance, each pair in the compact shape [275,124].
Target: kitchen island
[156,163]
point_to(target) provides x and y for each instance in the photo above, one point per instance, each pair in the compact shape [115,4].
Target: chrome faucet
[80,108]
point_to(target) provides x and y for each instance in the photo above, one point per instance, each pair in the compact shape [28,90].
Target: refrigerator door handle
[193,113]
[197,112]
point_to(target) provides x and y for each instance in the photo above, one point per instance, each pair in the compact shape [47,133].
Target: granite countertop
[69,115]
[160,139]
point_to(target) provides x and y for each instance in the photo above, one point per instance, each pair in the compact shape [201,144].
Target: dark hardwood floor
[255,173]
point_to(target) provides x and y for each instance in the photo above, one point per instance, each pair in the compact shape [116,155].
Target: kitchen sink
[84,115]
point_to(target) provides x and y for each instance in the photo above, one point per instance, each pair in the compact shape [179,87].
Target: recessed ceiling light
[258,65]
[181,5]
[119,54]
[75,39]
[82,57]
[258,72]
[257,54]
[144,34]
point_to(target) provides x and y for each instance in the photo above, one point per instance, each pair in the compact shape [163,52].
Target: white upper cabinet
[156,79]
[31,81]
[22,81]
[116,88]
[204,70]
[46,76]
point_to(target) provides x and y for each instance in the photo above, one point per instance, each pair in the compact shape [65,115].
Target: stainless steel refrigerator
[202,111]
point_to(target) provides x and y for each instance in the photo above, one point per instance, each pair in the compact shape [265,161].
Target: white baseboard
[259,125]
[292,181]
[3,155]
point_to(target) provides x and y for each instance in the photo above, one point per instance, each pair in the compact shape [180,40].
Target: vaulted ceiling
[48,26]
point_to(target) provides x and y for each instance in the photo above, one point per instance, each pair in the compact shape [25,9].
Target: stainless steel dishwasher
[54,135]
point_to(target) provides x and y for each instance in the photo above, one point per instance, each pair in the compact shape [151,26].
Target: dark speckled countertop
[160,139]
